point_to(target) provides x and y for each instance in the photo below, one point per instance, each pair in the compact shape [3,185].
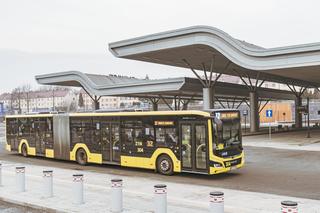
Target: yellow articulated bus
[207,142]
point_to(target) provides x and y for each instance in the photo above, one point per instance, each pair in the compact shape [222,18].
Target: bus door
[110,143]
[194,144]
[39,132]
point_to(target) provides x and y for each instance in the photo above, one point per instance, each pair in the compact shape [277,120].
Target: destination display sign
[163,123]
[227,115]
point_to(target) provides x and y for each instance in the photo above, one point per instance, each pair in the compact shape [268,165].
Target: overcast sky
[44,36]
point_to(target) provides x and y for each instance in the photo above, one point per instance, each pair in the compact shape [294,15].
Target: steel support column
[254,111]
[154,102]
[298,115]
[155,106]
[207,98]
[208,83]
[185,106]
[297,103]
[253,99]
[96,102]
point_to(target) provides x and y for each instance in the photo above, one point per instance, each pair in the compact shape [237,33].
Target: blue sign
[269,113]
[1,109]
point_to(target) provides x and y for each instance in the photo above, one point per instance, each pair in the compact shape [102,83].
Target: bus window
[166,136]
[186,145]
[201,158]
[24,128]
[128,136]
[47,125]
[80,130]
[231,132]
[12,132]
[133,136]
[115,141]
[149,132]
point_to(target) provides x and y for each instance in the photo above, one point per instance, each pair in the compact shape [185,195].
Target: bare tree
[16,98]
[26,90]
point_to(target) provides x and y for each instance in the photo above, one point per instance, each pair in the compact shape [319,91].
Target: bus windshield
[231,133]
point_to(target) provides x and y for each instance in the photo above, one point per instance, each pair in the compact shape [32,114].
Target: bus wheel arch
[81,156]
[164,164]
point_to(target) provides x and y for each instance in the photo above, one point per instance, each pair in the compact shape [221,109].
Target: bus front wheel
[24,150]
[165,165]
[81,157]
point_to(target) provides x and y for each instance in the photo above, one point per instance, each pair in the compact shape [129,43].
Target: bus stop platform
[292,139]
[138,194]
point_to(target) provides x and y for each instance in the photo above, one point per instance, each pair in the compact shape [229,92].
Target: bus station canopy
[203,46]
[183,87]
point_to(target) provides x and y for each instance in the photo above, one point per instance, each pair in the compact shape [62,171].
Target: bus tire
[24,150]
[164,165]
[81,157]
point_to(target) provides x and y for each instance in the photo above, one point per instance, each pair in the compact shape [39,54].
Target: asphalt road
[267,170]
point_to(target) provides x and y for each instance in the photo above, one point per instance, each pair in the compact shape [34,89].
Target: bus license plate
[233,167]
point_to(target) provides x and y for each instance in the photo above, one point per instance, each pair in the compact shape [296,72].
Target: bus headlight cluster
[217,165]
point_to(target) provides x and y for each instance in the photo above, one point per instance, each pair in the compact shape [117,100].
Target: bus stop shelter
[181,90]
[208,49]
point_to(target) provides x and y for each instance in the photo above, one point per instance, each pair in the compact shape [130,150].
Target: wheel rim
[24,151]
[164,165]
[82,157]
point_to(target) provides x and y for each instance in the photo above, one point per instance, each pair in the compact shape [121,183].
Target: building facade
[109,102]
[38,101]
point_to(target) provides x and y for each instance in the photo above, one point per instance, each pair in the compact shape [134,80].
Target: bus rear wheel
[164,165]
[24,150]
[82,157]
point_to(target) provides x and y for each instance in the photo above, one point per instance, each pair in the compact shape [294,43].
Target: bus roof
[184,112]
[205,113]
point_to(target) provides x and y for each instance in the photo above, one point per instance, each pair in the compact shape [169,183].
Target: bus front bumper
[227,165]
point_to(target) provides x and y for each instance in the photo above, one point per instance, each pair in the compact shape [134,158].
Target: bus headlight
[216,164]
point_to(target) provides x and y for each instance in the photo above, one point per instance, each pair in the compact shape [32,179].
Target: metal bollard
[48,183]
[78,188]
[289,207]
[0,174]
[116,195]
[160,198]
[20,179]
[216,202]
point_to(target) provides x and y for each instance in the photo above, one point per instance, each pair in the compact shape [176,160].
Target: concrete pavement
[137,190]
[293,140]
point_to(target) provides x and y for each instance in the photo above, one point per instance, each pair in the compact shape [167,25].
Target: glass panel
[39,132]
[96,136]
[48,134]
[115,140]
[231,132]
[24,128]
[186,145]
[166,137]
[105,144]
[201,158]
[12,133]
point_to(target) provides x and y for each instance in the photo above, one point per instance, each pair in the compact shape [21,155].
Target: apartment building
[38,101]
[109,102]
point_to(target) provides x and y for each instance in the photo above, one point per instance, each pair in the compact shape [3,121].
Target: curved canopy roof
[102,85]
[204,45]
